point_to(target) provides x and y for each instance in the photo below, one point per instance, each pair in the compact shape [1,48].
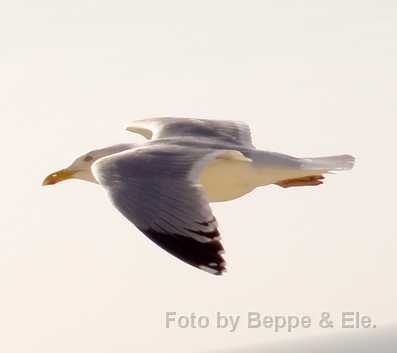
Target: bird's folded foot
[304,181]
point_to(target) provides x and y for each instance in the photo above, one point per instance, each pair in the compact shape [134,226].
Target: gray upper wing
[155,187]
[229,132]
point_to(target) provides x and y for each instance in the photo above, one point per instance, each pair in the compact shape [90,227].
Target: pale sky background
[311,78]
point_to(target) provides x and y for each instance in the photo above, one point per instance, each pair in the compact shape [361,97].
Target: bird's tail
[330,163]
[312,170]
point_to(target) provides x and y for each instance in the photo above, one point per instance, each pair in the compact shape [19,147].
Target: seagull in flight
[165,184]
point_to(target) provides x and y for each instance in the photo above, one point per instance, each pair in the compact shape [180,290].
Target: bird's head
[81,167]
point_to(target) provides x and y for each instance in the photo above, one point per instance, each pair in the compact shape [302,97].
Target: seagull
[165,184]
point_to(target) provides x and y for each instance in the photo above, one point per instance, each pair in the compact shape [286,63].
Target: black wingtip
[206,256]
[214,269]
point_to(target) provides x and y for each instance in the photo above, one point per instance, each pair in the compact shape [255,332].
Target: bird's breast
[226,179]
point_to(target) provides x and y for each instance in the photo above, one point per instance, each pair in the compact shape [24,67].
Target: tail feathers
[342,162]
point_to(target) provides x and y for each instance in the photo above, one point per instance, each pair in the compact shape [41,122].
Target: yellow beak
[58,176]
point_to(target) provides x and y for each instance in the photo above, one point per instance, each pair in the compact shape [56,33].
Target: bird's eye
[87,158]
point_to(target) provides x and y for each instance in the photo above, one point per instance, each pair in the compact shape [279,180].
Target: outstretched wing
[234,133]
[156,188]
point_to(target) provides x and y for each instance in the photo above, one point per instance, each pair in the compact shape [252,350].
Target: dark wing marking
[205,256]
